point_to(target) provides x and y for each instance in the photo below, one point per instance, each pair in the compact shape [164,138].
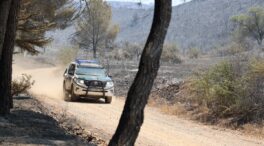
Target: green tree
[24,27]
[251,24]
[94,29]
[35,18]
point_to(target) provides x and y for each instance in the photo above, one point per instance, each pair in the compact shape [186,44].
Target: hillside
[199,23]
[128,5]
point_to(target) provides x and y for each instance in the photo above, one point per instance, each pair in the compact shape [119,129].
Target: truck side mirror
[71,72]
[65,72]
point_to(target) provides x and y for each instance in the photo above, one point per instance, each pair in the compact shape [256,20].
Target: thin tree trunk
[94,52]
[4,10]
[133,113]
[6,61]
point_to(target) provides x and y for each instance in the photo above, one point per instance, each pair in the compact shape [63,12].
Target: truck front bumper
[92,92]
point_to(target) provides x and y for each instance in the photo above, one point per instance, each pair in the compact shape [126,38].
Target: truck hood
[98,78]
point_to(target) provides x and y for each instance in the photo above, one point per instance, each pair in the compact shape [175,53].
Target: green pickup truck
[87,79]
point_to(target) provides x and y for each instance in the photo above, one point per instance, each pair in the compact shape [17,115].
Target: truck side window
[71,69]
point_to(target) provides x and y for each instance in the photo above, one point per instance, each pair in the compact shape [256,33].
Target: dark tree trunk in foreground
[4,11]
[6,59]
[133,113]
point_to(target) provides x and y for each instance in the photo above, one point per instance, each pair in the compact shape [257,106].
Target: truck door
[69,76]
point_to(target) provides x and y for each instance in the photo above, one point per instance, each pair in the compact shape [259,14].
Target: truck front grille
[95,83]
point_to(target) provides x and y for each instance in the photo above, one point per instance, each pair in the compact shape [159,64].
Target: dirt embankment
[102,119]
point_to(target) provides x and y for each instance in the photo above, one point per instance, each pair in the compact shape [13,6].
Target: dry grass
[257,66]
[22,84]
[230,50]
[176,109]
[253,129]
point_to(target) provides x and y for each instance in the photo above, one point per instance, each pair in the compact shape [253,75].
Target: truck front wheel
[73,96]
[108,99]
[66,94]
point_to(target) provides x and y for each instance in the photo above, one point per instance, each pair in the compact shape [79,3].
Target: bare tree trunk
[133,113]
[4,10]
[6,60]
[94,52]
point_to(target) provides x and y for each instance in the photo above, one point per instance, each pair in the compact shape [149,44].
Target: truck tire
[73,96]
[108,99]
[66,95]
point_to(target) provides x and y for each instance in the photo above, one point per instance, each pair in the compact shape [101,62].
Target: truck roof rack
[88,63]
[83,61]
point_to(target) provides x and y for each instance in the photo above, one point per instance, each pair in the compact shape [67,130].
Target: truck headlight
[79,81]
[109,84]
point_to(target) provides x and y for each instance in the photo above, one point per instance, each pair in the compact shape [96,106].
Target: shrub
[170,53]
[254,101]
[257,67]
[232,49]
[194,53]
[217,88]
[229,91]
[22,85]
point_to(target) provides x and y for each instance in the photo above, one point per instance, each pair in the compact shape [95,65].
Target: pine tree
[36,17]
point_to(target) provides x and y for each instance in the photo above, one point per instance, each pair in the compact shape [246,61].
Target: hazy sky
[175,2]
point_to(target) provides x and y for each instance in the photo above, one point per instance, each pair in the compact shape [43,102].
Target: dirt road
[158,129]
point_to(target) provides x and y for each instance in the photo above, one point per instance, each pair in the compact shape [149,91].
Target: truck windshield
[90,71]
